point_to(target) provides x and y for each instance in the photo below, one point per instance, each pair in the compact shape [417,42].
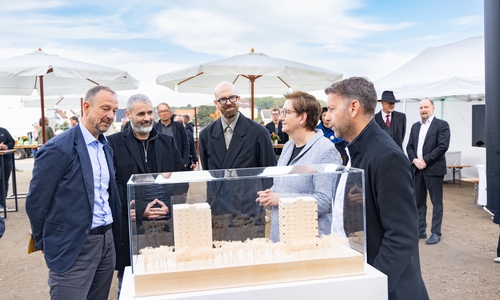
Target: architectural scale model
[196,263]
[298,219]
[193,225]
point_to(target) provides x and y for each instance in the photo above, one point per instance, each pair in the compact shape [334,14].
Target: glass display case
[202,230]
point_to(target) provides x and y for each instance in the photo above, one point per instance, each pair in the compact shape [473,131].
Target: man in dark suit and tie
[429,141]
[230,142]
[391,121]
[73,203]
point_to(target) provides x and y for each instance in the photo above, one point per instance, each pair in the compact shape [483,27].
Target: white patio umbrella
[55,75]
[251,73]
[64,102]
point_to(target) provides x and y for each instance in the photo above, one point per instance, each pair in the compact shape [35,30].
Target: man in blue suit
[73,203]
[429,141]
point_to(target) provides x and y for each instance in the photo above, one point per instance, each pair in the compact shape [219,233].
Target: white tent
[453,76]
[455,69]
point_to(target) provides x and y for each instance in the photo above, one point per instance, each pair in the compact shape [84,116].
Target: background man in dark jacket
[193,154]
[391,213]
[276,127]
[429,141]
[188,124]
[6,142]
[391,121]
[167,126]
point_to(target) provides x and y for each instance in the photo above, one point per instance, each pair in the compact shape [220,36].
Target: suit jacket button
[87,231]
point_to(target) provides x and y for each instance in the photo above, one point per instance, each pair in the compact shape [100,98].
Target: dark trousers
[433,184]
[91,275]
[7,170]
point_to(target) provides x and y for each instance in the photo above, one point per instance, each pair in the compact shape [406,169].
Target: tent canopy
[451,70]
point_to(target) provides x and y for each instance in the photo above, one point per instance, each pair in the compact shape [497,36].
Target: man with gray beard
[141,149]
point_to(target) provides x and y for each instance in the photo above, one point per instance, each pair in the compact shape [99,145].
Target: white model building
[192,225]
[298,219]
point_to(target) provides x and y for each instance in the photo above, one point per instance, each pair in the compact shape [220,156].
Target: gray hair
[137,98]
[358,88]
[90,96]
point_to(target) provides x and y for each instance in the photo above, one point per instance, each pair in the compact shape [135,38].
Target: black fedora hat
[388,96]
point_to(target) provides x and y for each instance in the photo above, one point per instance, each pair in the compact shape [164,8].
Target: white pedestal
[373,285]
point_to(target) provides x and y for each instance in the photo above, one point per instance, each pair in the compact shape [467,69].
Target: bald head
[224,86]
[179,118]
[426,109]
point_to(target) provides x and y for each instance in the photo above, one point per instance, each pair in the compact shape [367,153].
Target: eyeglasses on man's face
[161,112]
[224,100]
[286,112]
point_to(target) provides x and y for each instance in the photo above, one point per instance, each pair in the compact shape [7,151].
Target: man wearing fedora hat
[391,121]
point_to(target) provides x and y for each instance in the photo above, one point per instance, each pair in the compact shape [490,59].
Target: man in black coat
[6,143]
[230,142]
[167,126]
[429,140]
[391,213]
[141,149]
[188,125]
[276,127]
[193,154]
[391,121]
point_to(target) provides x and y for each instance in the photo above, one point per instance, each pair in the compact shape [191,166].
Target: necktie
[228,132]
[387,121]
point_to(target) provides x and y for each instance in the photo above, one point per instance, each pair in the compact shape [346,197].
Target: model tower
[192,225]
[298,219]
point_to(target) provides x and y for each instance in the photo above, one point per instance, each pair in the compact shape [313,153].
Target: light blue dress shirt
[101,212]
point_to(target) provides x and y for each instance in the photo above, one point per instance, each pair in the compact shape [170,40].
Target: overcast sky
[147,38]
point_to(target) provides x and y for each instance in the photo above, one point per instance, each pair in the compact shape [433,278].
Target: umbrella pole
[252,82]
[81,107]
[42,101]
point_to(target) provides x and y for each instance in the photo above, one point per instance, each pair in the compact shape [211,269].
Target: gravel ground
[459,267]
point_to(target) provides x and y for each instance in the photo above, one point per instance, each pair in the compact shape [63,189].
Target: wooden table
[457,169]
[14,186]
[22,152]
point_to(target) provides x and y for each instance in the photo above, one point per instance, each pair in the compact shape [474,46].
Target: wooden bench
[476,186]
[457,169]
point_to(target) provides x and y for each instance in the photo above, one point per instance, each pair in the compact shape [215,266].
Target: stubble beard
[99,127]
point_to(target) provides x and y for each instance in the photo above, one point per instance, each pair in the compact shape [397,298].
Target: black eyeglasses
[232,99]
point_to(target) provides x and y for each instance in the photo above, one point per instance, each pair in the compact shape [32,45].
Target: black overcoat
[391,212]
